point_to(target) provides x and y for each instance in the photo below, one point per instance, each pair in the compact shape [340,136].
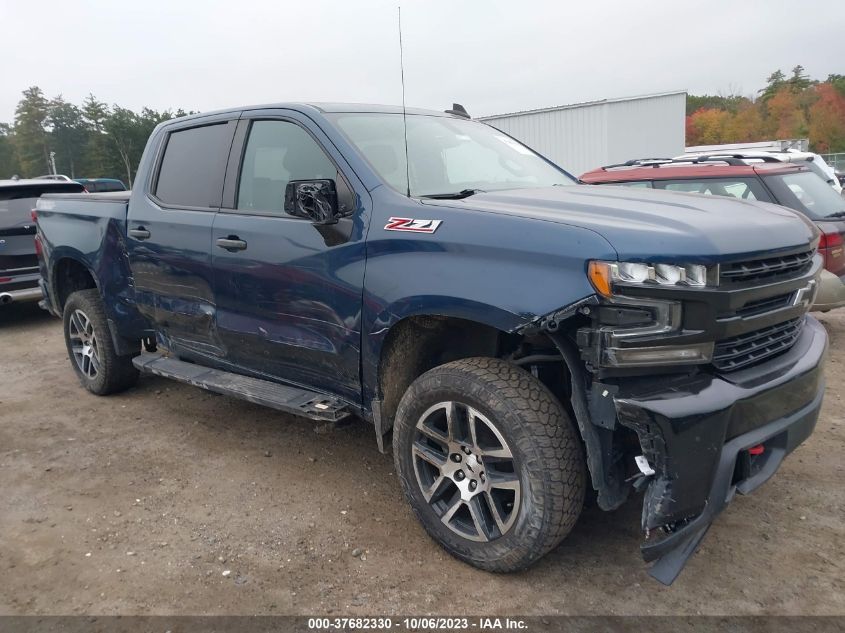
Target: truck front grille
[768,269]
[761,306]
[754,347]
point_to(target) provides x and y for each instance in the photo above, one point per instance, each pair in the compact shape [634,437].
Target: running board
[308,404]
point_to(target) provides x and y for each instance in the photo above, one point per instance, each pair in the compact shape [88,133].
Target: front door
[169,234]
[288,292]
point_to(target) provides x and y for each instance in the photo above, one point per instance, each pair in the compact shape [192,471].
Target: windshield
[446,155]
[807,192]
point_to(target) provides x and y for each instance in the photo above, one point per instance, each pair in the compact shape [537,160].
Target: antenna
[404,114]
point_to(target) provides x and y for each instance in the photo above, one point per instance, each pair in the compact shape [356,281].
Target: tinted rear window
[191,170]
[110,186]
[35,191]
[808,193]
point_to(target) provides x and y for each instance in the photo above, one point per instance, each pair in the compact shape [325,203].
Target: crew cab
[514,336]
[19,275]
[764,178]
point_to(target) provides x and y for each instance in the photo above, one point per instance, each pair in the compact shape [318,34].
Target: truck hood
[654,225]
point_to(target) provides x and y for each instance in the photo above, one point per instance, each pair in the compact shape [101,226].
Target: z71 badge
[411,225]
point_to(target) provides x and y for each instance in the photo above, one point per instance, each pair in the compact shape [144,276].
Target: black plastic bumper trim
[781,437]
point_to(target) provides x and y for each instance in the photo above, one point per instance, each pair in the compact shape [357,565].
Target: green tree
[69,136]
[799,81]
[774,82]
[121,128]
[128,133]
[8,159]
[94,114]
[32,143]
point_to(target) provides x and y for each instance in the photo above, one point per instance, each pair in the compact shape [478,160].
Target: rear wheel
[90,347]
[490,462]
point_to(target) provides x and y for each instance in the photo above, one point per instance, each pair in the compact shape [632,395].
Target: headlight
[604,275]
[631,338]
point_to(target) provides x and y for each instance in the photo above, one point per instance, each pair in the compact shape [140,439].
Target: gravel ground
[170,500]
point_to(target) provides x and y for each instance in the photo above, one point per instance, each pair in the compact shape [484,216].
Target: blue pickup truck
[520,338]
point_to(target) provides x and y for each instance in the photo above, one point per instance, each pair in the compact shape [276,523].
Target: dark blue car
[101,185]
[522,337]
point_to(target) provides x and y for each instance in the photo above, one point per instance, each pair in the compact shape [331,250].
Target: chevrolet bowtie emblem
[803,296]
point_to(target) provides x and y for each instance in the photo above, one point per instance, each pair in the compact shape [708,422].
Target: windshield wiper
[838,214]
[464,193]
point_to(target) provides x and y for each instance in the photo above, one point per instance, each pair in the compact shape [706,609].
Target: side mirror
[315,200]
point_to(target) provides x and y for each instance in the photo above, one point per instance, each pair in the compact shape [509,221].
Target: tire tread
[117,373]
[549,439]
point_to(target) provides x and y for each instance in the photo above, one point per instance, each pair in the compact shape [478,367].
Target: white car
[815,162]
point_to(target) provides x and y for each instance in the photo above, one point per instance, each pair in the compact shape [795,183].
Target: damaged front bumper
[696,432]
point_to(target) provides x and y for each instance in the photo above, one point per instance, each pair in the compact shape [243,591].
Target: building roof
[583,104]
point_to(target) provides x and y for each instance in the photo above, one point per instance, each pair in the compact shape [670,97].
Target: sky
[491,56]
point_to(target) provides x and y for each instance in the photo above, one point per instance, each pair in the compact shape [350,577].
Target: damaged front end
[691,386]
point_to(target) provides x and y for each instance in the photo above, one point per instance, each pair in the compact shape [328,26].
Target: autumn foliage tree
[788,107]
[827,120]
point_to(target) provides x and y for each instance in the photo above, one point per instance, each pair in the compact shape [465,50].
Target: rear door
[289,298]
[169,233]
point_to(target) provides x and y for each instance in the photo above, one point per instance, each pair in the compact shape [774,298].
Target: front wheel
[490,462]
[90,347]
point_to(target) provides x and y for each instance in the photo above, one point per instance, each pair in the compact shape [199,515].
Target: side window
[276,153]
[742,188]
[637,184]
[191,170]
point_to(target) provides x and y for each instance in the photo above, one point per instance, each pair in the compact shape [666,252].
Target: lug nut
[473,485]
[482,477]
[456,457]
[465,449]
[460,475]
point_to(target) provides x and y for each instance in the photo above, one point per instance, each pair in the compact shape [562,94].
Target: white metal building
[583,136]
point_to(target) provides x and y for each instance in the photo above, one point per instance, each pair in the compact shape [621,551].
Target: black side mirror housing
[315,200]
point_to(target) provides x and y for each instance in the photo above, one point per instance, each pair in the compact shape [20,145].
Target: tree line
[788,107]
[90,140]
[94,140]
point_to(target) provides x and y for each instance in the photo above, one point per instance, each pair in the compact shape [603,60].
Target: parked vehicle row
[92,185]
[812,161]
[19,275]
[521,336]
[793,185]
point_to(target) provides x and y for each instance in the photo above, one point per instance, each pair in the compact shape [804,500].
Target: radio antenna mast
[404,114]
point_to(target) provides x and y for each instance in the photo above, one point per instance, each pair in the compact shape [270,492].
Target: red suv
[793,186]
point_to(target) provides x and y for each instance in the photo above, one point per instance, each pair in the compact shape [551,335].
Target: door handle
[140,233]
[232,243]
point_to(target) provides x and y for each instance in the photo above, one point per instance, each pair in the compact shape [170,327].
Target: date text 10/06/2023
[417,623]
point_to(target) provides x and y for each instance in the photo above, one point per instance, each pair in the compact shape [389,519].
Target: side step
[308,404]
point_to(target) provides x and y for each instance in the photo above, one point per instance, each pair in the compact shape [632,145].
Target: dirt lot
[140,503]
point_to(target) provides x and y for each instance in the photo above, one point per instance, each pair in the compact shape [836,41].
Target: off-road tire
[548,458]
[115,373]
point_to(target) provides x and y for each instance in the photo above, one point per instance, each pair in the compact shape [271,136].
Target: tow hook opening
[749,462]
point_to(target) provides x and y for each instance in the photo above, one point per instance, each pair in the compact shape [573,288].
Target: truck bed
[90,229]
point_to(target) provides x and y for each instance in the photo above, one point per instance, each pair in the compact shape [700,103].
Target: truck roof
[679,170]
[324,108]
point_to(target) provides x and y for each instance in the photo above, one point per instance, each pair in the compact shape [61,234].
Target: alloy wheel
[466,471]
[83,342]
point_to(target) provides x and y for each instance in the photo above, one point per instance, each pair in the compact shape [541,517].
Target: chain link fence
[837,161]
